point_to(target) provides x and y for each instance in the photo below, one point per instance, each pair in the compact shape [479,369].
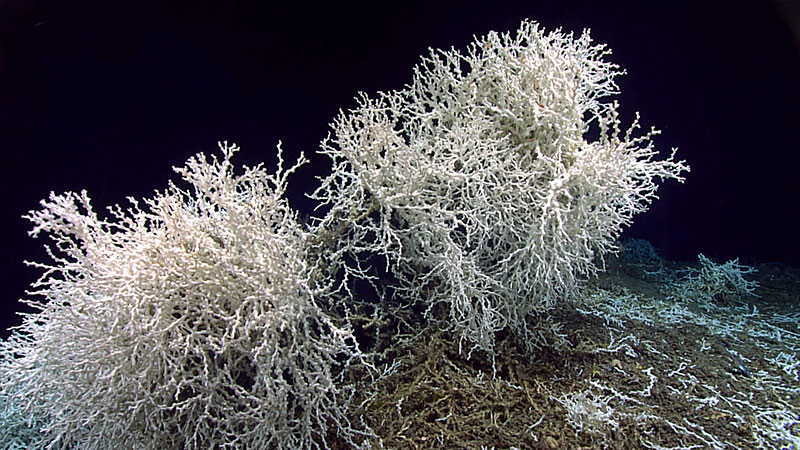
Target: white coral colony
[492,198]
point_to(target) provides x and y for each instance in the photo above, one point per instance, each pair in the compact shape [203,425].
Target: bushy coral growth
[480,183]
[188,322]
[721,282]
[487,189]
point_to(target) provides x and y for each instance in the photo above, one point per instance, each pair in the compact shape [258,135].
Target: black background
[109,96]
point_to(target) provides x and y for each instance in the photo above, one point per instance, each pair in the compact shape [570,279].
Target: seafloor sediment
[655,354]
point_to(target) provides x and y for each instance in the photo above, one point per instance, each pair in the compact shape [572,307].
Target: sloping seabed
[652,357]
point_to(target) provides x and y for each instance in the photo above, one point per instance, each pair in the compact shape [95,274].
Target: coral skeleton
[714,281]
